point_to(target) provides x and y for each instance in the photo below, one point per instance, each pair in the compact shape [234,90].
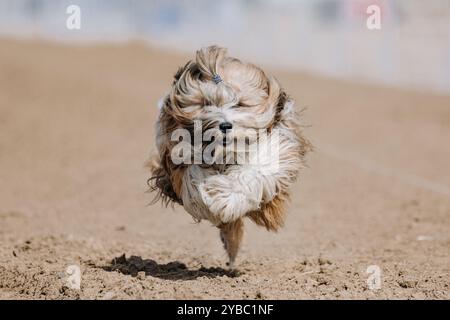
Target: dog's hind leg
[231,235]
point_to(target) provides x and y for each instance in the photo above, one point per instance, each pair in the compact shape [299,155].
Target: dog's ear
[161,182]
[164,174]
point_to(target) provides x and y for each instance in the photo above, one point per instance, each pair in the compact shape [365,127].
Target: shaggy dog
[258,147]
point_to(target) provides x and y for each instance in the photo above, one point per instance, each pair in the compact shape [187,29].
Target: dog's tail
[231,235]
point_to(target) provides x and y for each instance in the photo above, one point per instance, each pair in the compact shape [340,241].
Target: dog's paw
[230,198]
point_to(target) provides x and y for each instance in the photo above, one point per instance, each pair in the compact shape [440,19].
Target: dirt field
[76,126]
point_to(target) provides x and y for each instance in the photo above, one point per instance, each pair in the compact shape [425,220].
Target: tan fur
[231,235]
[272,214]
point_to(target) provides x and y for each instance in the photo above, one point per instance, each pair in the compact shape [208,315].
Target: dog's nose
[224,126]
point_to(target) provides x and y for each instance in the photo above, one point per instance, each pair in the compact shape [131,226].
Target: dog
[236,101]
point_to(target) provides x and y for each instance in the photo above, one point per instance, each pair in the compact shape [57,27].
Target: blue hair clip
[217,79]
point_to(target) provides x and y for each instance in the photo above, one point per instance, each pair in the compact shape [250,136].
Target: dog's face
[243,101]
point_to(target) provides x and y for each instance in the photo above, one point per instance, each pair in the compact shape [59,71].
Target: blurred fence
[323,36]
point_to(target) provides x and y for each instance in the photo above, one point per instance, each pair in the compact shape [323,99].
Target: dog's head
[222,93]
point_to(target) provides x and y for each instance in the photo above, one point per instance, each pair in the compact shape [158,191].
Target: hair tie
[217,79]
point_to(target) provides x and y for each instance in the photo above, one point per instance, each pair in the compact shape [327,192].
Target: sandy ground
[76,126]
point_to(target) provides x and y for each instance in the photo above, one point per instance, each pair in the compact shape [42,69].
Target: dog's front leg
[231,235]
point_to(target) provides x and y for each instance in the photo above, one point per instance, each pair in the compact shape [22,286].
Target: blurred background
[329,37]
[77,115]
